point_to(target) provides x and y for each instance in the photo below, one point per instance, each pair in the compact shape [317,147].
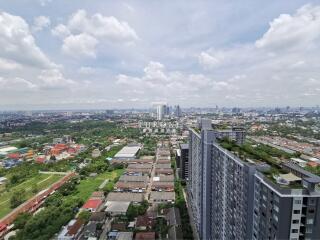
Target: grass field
[91,184]
[42,181]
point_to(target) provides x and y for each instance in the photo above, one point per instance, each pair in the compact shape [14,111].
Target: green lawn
[85,188]
[42,181]
[91,184]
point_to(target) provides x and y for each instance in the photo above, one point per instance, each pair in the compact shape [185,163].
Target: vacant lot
[89,185]
[38,182]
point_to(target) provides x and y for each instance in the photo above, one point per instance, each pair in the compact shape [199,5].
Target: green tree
[21,220]
[84,215]
[17,197]
[108,187]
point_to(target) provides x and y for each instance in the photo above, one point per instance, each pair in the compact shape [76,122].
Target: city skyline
[128,54]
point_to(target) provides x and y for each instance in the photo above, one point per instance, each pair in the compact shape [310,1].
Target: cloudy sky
[63,54]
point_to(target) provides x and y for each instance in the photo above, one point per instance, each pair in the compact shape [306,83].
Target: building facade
[195,180]
[232,198]
[183,160]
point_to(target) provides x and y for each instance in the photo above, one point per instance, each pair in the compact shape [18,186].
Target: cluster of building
[12,156]
[231,197]
[163,110]
[289,145]
[153,178]
[147,180]
[61,148]
[162,185]
[168,127]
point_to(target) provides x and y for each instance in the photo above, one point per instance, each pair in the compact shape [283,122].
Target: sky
[63,54]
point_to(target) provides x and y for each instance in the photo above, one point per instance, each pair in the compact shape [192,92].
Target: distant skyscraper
[161,111]
[233,198]
[177,111]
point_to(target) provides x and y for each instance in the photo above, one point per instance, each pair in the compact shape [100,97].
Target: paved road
[148,191]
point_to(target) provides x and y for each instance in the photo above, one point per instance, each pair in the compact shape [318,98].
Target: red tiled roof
[2,226]
[313,164]
[71,150]
[92,204]
[144,221]
[72,230]
[145,236]
[40,159]
[60,145]
[13,155]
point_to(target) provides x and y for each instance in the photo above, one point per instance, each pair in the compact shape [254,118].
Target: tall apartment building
[233,198]
[183,160]
[161,111]
[177,111]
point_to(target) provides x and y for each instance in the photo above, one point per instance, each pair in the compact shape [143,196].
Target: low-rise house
[112,235]
[90,230]
[163,178]
[131,186]
[72,230]
[141,161]
[92,205]
[41,159]
[115,208]
[96,153]
[138,171]
[144,222]
[98,217]
[163,166]
[160,197]
[313,164]
[145,236]
[167,171]
[140,166]
[162,186]
[163,158]
[127,178]
[119,226]
[125,197]
[164,161]
[124,236]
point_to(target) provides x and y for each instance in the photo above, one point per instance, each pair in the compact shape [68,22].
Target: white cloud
[298,30]
[53,78]
[40,23]
[8,65]
[275,67]
[118,42]
[101,26]
[16,84]
[154,72]
[44,2]
[81,45]
[82,33]
[61,31]
[207,60]
[18,44]
[87,70]
[171,85]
